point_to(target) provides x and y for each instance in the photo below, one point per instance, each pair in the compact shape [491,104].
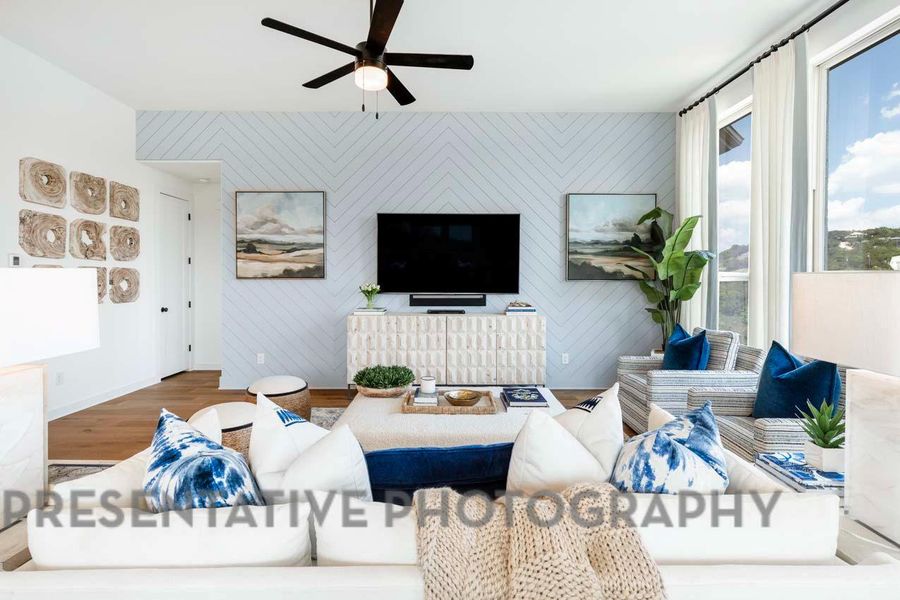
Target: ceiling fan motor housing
[366,59]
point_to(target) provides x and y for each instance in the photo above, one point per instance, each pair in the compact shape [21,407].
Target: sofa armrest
[706,379]
[786,433]
[726,402]
[639,365]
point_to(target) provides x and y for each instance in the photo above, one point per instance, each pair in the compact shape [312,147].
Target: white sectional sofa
[793,558]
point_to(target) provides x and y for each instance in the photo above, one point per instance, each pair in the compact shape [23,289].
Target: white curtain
[771,194]
[694,161]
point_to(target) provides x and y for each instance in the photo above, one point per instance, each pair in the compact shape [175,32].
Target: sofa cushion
[278,438]
[597,424]
[685,352]
[188,470]
[546,457]
[249,536]
[723,348]
[787,383]
[685,454]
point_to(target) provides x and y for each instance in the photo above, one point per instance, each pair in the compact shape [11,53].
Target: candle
[427,384]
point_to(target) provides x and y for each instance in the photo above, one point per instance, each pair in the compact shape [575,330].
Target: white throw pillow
[354,532]
[125,480]
[166,540]
[597,424]
[335,463]
[546,457]
[278,438]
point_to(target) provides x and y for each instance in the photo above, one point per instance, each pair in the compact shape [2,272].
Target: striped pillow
[723,349]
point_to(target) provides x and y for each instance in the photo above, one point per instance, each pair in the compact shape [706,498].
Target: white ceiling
[530,55]
[194,171]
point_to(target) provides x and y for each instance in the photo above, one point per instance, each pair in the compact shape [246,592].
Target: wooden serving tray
[445,408]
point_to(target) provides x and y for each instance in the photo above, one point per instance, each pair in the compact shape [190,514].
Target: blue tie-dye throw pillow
[685,454]
[188,470]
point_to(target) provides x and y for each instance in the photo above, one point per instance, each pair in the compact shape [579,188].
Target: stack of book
[520,308]
[790,468]
[423,399]
[378,310]
[523,398]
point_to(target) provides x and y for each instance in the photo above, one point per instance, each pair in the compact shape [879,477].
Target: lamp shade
[46,313]
[850,318]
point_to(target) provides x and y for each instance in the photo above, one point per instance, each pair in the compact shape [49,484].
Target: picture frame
[599,233]
[280,234]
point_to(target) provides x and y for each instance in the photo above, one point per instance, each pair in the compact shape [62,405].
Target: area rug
[60,471]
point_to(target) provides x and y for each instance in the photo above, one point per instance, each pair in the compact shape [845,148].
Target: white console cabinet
[472,349]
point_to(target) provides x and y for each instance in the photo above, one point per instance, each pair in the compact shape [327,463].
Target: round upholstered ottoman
[236,419]
[287,391]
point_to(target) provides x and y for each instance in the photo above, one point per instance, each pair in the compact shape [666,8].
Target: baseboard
[206,367]
[71,407]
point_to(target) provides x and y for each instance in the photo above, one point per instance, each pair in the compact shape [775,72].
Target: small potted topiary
[825,427]
[383,381]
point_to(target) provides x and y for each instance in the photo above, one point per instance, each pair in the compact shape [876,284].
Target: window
[862,157]
[734,224]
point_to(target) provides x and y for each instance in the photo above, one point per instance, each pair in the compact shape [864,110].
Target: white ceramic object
[824,459]
[428,384]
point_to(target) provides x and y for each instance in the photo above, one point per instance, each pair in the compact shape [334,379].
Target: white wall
[49,114]
[206,218]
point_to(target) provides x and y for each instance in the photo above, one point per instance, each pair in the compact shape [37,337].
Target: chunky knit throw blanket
[468,551]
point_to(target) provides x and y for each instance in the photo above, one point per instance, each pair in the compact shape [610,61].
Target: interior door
[173,275]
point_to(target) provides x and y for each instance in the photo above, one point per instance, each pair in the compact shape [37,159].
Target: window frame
[819,192]
[733,114]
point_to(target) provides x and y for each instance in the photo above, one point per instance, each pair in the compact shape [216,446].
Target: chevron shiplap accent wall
[422,162]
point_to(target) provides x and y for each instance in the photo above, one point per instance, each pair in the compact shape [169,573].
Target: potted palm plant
[825,427]
[677,270]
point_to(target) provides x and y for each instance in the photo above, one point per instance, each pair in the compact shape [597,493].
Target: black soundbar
[448,300]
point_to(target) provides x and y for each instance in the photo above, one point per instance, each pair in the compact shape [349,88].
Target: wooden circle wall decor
[86,239]
[124,242]
[124,285]
[101,282]
[124,201]
[88,193]
[42,182]
[41,234]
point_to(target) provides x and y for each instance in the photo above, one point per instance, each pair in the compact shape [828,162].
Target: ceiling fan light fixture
[371,78]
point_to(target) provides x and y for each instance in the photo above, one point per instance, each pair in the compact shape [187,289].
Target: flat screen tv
[448,253]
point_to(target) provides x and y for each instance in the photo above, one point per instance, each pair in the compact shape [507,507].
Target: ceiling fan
[371,64]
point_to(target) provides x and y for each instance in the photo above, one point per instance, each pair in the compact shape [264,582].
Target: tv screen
[448,253]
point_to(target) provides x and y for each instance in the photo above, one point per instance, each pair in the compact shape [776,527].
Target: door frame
[188,284]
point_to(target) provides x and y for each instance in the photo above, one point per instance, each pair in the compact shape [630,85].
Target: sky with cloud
[281,215]
[607,217]
[734,189]
[864,139]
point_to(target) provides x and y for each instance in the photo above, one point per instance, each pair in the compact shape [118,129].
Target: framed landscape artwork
[600,231]
[280,235]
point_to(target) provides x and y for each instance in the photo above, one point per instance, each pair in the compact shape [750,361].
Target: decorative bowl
[382,393]
[462,397]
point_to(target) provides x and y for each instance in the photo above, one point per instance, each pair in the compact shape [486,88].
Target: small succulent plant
[383,377]
[824,425]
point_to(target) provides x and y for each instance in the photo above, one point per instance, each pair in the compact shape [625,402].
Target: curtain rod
[773,49]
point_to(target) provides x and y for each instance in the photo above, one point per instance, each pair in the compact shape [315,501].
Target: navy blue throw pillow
[685,352]
[786,383]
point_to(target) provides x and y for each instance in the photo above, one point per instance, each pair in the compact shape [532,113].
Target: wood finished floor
[121,427]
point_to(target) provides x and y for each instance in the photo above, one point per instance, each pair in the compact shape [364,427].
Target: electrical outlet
[565,358]
[60,379]
[260,358]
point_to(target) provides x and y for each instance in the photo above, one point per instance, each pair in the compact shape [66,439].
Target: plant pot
[382,393]
[824,459]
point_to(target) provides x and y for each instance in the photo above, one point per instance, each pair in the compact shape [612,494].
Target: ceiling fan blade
[309,36]
[383,19]
[434,61]
[398,90]
[330,76]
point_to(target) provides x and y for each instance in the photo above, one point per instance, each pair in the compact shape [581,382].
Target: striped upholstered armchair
[642,380]
[745,435]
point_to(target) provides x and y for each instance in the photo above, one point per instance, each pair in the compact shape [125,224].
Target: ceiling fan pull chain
[376,106]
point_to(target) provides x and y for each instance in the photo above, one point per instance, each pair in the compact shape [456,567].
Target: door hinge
[189,260]
[189,303]
[189,347]
[189,216]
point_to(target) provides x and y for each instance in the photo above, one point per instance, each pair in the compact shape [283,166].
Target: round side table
[289,392]
[236,419]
